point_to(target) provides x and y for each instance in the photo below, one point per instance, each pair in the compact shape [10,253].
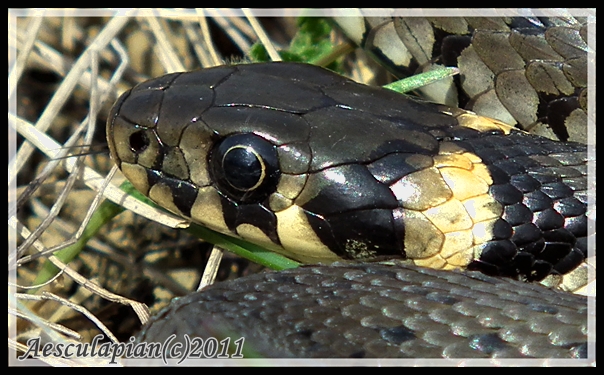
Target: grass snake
[319,168]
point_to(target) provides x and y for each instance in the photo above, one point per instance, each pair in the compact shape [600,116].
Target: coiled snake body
[319,168]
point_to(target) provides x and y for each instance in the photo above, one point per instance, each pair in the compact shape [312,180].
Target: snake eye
[245,167]
[139,142]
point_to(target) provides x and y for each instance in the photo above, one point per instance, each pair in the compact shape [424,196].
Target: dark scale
[506,194]
[183,193]
[349,223]
[255,214]
[525,183]
[546,225]
[577,225]
[363,233]
[537,201]
[260,217]
[393,167]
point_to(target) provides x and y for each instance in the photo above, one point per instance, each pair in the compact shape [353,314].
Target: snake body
[380,311]
[315,166]
[527,71]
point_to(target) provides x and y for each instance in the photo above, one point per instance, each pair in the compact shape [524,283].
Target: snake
[525,71]
[319,168]
[332,169]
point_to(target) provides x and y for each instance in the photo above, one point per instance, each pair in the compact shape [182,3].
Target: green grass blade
[107,210]
[420,80]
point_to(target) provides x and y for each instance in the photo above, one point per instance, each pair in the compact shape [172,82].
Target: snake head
[263,152]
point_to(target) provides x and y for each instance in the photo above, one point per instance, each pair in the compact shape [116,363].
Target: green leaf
[311,44]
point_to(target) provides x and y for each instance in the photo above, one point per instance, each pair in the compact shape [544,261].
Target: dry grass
[67,69]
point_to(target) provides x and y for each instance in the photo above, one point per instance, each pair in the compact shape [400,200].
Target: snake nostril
[139,142]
